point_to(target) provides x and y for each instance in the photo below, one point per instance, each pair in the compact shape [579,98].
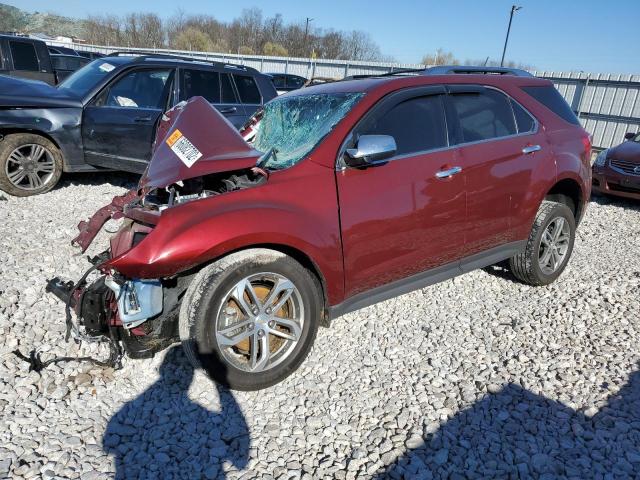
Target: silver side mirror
[371,149]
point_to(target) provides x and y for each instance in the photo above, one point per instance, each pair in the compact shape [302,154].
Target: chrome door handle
[228,110]
[531,148]
[448,173]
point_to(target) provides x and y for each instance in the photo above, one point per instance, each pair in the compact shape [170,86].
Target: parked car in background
[351,193]
[104,116]
[25,57]
[90,55]
[61,50]
[65,65]
[616,170]
[285,82]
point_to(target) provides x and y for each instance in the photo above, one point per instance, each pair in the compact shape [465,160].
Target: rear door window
[551,98]
[483,115]
[201,83]
[416,124]
[247,89]
[226,91]
[278,81]
[24,56]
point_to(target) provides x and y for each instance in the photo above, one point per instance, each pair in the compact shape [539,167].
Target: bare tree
[441,57]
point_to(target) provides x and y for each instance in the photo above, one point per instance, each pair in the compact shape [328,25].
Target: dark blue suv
[105,115]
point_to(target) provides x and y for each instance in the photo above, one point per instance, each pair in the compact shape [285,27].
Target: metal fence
[606,104]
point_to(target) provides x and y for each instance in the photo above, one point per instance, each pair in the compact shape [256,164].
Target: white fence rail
[606,104]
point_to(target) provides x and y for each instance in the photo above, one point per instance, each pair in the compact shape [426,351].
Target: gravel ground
[479,376]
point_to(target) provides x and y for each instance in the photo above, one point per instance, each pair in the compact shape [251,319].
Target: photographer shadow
[515,433]
[163,434]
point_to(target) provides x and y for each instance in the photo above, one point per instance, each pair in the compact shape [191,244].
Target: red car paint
[618,176]
[362,228]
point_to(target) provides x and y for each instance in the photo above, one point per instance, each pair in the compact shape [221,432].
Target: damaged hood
[20,92]
[193,139]
[628,151]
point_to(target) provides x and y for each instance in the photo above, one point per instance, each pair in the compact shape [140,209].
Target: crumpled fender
[90,228]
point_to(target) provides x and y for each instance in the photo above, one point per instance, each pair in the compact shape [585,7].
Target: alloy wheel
[554,245]
[260,322]
[30,167]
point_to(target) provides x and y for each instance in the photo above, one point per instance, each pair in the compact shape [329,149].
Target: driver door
[404,216]
[119,126]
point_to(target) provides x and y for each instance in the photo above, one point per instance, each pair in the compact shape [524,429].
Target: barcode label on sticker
[183,148]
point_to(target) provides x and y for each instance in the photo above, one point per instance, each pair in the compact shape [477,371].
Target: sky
[555,35]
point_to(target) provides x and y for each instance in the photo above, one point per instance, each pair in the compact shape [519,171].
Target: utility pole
[306,34]
[514,9]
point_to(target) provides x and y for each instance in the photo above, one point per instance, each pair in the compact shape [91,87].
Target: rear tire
[29,164]
[549,246]
[245,344]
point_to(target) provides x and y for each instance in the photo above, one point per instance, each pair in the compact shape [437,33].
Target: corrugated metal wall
[607,104]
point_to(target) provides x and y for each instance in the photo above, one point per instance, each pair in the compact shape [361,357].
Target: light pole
[306,33]
[506,40]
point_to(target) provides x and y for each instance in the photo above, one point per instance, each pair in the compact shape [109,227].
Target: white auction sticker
[106,67]
[183,148]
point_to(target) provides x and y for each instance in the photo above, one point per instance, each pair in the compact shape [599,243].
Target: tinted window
[140,88]
[295,82]
[416,125]
[227,89]
[524,121]
[551,98]
[247,89]
[483,116]
[24,56]
[201,83]
[278,81]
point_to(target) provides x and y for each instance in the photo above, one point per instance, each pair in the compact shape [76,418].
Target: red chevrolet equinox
[241,244]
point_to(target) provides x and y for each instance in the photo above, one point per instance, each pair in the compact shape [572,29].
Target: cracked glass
[292,126]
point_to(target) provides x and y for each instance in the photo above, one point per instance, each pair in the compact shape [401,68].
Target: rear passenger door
[217,88]
[490,153]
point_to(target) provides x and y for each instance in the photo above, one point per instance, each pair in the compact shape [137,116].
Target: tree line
[250,34]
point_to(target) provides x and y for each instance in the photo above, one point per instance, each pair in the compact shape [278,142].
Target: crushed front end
[133,301]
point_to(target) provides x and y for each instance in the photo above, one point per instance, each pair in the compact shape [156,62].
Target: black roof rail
[456,69]
[141,56]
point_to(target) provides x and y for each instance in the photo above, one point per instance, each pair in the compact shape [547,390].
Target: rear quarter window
[551,98]
[24,56]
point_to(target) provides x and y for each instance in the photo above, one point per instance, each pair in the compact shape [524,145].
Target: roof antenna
[485,62]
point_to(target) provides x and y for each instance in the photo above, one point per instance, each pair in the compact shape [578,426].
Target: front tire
[250,319]
[549,246]
[29,164]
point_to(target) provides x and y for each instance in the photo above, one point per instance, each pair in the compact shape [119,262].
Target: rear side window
[201,83]
[483,116]
[524,121]
[226,91]
[551,98]
[295,82]
[24,56]
[278,81]
[247,89]
[416,125]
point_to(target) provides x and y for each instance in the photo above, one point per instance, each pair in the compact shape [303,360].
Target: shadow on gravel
[118,179]
[163,434]
[518,434]
[616,201]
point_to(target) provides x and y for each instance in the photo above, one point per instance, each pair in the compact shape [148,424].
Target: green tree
[193,39]
[275,50]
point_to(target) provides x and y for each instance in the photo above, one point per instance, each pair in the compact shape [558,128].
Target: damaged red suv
[331,198]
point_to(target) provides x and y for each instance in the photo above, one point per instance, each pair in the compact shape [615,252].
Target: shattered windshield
[292,126]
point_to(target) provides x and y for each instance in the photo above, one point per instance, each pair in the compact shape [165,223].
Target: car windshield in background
[83,80]
[292,126]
